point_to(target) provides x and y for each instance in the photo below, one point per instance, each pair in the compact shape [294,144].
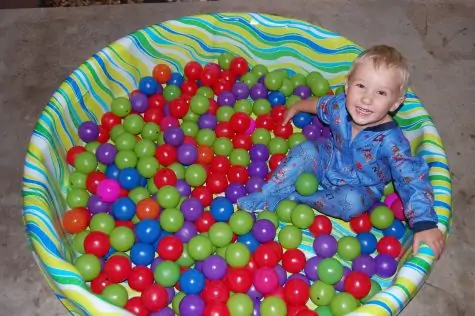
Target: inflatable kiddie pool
[276,42]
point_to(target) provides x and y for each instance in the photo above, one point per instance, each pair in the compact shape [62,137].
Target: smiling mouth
[362,111]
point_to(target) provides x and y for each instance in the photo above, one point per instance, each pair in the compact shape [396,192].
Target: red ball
[155,298]
[190,140]
[128,224]
[277,248]
[203,194]
[73,152]
[220,164]
[217,182]
[266,280]
[293,260]
[103,136]
[209,77]
[306,312]
[240,122]
[204,223]
[223,129]
[266,256]
[118,268]
[243,141]
[265,121]
[109,120]
[161,73]
[136,307]
[278,112]
[178,108]
[238,174]
[213,106]
[357,284]
[294,310]
[213,67]
[239,66]
[275,161]
[100,283]
[228,76]
[140,278]
[123,193]
[389,245]
[153,115]
[189,87]
[166,154]
[239,280]
[321,225]
[251,266]
[97,243]
[76,220]
[216,310]
[163,177]
[284,131]
[361,224]
[296,292]
[156,101]
[205,155]
[170,248]
[215,291]
[279,292]
[93,179]
[221,86]
[193,70]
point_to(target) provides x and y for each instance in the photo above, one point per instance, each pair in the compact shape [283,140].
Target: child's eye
[383,93]
[360,85]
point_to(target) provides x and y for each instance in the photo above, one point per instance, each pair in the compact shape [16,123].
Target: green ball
[302,216]
[77,180]
[195,175]
[239,157]
[121,106]
[190,128]
[298,80]
[296,139]
[388,188]
[292,100]
[330,271]
[152,188]
[224,113]
[168,196]
[85,162]
[88,266]
[223,146]
[92,147]
[271,216]
[240,304]
[134,123]
[167,273]
[241,222]
[171,220]
[320,87]
[78,241]
[278,145]
[284,210]
[116,131]
[220,234]
[77,198]
[205,91]
[250,79]
[287,87]
[259,70]
[122,238]
[178,169]
[191,116]
[273,80]
[224,60]
[160,140]
[115,294]
[313,77]
[221,252]
[150,131]
[199,104]
[244,106]
[138,194]
[306,184]
[176,302]
[349,248]
[206,136]
[145,148]
[185,259]
[125,159]
[324,311]
[125,141]
[343,303]
[101,167]
[321,293]
[102,222]
[261,106]
[200,247]
[171,92]
[273,306]
[290,237]
[237,255]
[382,217]
[375,289]
[261,136]
[148,166]
[339,90]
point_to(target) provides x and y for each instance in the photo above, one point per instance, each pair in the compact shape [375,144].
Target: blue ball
[110,253]
[148,231]
[123,209]
[221,208]
[112,172]
[176,79]
[368,242]
[192,281]
[143,181]
[396,230]
[148,85]
[276,98]
[302,119]
[142,254]
[250,241]
[129,178]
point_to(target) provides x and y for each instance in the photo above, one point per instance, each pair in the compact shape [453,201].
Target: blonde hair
[383,55]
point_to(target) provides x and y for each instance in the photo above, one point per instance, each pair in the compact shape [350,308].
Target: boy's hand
[432,237]
[289,114]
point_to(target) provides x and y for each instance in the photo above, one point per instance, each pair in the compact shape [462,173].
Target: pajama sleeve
[411,179]
[327,106]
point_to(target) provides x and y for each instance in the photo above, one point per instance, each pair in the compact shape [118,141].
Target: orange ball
[76,220]
[147,208]
[205,154]
[161,73]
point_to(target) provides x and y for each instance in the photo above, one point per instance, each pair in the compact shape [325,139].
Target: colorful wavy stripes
[277,42]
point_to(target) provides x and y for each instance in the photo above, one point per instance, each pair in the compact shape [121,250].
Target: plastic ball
[330,271]
[389,245]
[375,289]
[266,280]
[118,268]
[306,184]
[241,222]
[192,281]
[321,293]
[302,216]
[365,264]
[234,191]
[361,223]
[237,255]
[272,306]
[122,238]
[171,220]
[386,265]
[76,220]
[155,298]
[357,284]
[264,230]
[168,196]
[115,294]
[293,260]
[396,230]
[325,246]
[200,247]
[142,254]
[220,234]
[123,209]
[321,225]
[88,131]
[368,242]
[266,256]
[296,292]
[303,92]
[85,162]
[97,243]
[311,268]
[192,209]
[343,303]
[221,209]
[136,307]
[88,266]
[102,222]
[240,304]
[195,175]
[106,153]
[290,237]
[348,248]
[302,119]
[382,217]
[99,283]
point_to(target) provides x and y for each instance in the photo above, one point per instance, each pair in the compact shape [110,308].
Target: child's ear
[398,103]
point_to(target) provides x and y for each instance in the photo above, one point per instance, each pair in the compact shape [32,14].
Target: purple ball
[191,305]
[374,205]
[303,92]
[106,153]
[192,209]
[257,308]
[311,132]
[258,169]
[365,264]
[254,184]
[226,98]
[95,205]
[263,230]
[166,311]
[259,152]
[183,187]
[254,294]
[325,246]
[326,132]
[174,136]
[186,232]
[340,285]
[155,263]
[240,90]
[207,120]
[299,276]
[166,110]
[171,294]
[88,131]
[281,273]
[259,91]
[234,191]
[187,154]
[199,266]
[261,79]
[214,267]
[311,267]
[139,102]
[386,265]
[317,122]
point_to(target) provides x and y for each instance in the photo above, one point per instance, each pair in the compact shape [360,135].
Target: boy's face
[371,94]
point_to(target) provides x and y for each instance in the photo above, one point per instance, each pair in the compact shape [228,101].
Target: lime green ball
[241,222]
[306,184]
[88,266]
[85,162]
[206,136]
[330,271]
[261,106]
[339,90]
[244,106]
[134,123]
[176,302]
[116,131]
[171,220]
[287,87]
[185,259]
[138,194]
[148,166]
[102,222]
[171,92]
[320,88]
[324,311]
[237,255]
[144,148]
[115,294]
[150,131]
[239,157]
[250,79]
[259,70]
[92,147]
[152,188]
[375,289]
[298,80]
[271,216]
[195,175]
[223,146]
[349,248]
[278,145]
[77,180]
[296,139]
[321,293]
[389,188]
[343,303]
[273,306]
[200,247]
[122,238]
[273,80]
[121,106]
[101,167]
[302,216]
[77,198]
[78,241]
[125,159]
[261,136]
[382,217]
[224,60]
[220,234]
[125,141]
[240,304]
[292,100]
[167,273]
[284,210]
[224,113]
[178,169]
[221,252]
[290,237]
[168,196]
[313,77]
[205,91]
[191,116]
[190,128]
[199,104]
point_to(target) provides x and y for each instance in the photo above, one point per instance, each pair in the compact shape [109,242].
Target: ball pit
[165,216]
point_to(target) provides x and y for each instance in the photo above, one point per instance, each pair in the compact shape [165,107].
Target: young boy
[366,151]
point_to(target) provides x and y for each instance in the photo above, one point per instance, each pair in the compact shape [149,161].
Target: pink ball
[169,121]
[108,190]
[390,198]
[398,209]
[251,128]
[266,280]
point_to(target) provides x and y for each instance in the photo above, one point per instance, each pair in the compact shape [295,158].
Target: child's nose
[367,99]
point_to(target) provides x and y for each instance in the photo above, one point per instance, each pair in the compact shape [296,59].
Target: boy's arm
[322,107]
